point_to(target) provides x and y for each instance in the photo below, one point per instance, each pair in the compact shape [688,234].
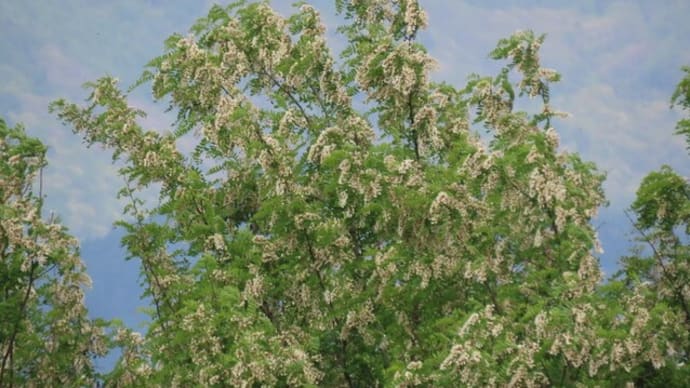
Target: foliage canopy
[45,333]
[352,222]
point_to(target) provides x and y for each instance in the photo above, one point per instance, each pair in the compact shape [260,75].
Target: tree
[660,268]
[46,336]
[346,222]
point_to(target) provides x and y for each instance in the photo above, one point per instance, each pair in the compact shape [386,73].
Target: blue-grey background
[620,61]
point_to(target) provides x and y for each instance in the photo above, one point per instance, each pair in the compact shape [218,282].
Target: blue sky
[620,61]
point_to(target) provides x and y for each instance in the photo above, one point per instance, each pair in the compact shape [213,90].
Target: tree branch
[670,278]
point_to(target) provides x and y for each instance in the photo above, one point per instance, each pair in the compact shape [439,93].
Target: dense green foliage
[349,222]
